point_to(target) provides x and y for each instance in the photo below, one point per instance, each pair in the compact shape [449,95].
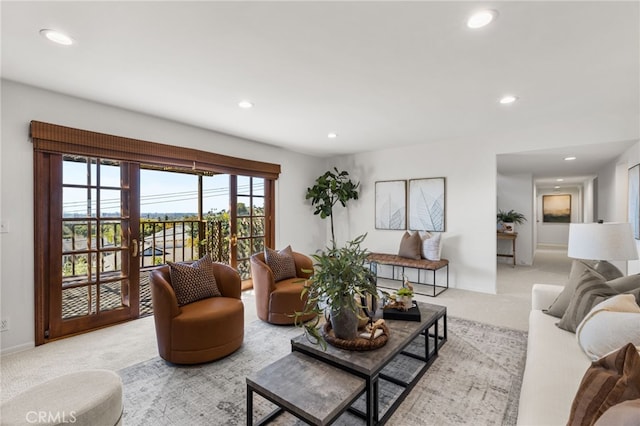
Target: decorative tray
[413,314]
[357,344]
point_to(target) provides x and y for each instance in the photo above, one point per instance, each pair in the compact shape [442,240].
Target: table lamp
[602,241]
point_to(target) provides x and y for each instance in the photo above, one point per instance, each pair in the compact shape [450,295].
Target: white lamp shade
[602,241]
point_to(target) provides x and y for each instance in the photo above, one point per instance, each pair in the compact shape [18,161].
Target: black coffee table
[391,371]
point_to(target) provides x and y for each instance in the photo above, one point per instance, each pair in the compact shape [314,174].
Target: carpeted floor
[475,380]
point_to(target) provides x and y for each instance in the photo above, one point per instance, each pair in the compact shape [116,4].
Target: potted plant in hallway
[339,282]
[330,188]
[509,219]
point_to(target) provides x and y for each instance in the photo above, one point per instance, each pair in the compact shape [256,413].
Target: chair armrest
[303,262]
[228,280]
[165,303]
[543,295]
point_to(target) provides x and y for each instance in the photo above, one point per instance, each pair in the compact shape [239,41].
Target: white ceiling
[379,74]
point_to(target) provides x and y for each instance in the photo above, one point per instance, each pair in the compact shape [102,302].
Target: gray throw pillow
[590,291]
[560,305]
[410,246]
[625,284]
[606,269]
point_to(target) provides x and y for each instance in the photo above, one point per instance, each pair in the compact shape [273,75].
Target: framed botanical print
[391,204]
[427,204]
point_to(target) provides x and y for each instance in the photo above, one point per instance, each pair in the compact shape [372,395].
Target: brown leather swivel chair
[277,301]
[201,331]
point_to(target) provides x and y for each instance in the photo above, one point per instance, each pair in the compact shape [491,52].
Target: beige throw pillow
[610,325]
[410,246]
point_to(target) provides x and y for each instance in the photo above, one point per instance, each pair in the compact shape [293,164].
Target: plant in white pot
[339,282]
[509,219]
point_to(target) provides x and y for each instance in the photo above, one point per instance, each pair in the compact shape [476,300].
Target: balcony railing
[182,240]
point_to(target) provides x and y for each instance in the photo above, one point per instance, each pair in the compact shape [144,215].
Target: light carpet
[475,380]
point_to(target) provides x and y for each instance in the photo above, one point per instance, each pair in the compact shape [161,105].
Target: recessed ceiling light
[481,19]
[569,158]
[245,104]
[332,135]
[556,187]
[559,180]
[508,99]
[57,37]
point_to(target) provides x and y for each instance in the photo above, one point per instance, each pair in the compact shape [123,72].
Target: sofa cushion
[609,381]
[590,291]
[626,413]
[410,246]
[193,282]
[281,263]
[610,325]
[554,368]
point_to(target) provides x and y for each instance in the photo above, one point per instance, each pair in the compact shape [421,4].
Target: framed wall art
[427,204]
[634,200]
[556,208]
[391,204]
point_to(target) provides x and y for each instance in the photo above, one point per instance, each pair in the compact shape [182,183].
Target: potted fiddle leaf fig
[339,282]
[330,188]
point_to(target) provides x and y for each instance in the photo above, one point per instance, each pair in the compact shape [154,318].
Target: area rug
[475,380]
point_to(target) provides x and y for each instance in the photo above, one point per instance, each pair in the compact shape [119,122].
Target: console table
[511,237]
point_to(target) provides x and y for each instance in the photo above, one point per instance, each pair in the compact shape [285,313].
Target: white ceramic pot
[508,227]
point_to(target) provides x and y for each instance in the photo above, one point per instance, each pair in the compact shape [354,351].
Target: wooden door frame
[55,139]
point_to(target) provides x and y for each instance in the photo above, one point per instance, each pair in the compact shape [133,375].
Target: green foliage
[331,188]
[340,279]
[511,216]
[404,291]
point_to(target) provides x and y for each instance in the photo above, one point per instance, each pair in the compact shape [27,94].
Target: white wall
[515,192]
[295,222]
[469,241]
[613,194]
[557,233]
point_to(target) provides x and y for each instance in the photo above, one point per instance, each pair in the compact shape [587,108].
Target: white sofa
[554,368]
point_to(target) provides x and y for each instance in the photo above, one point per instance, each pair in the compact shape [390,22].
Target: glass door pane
[97,284]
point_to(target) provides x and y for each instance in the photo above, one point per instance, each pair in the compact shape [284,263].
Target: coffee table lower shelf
[313,390]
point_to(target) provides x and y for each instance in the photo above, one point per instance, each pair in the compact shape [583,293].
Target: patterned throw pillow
[590,291]
[281,263]
[608,382]
[193,282]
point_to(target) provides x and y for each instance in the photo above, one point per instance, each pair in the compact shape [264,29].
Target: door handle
[233,240]
[134,247]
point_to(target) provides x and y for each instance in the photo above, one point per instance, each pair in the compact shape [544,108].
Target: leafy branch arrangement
[340,280]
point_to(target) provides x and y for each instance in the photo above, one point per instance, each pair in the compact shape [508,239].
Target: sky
[160,192]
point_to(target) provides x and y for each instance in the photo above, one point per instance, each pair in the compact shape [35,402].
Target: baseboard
[17,348]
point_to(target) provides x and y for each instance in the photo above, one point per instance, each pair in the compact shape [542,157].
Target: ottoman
[85,398]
